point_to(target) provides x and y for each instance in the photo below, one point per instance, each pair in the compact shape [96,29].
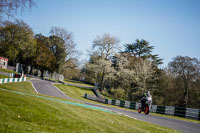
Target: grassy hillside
[77,83]
[74,92]
[23,113]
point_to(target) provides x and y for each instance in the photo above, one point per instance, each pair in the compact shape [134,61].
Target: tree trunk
[102,82]
[186,94]
[22,69]
[31,70]
[42,74]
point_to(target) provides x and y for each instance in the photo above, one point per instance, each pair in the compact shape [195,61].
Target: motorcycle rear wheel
[139,110]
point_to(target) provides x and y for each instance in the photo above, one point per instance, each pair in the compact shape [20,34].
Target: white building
[3,63]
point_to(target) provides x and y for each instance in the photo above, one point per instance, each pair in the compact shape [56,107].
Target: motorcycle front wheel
[146,111]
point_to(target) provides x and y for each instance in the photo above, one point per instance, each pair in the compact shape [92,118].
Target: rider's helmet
[148,93]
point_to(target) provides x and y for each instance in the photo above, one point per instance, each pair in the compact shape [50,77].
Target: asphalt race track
[46,87]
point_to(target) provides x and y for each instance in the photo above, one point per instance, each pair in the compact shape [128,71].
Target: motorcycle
[145,105]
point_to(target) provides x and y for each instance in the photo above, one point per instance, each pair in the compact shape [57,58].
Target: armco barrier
[117,102]
[180,111]
[10,80]
[127,104]
[199,114]
[154,108]
[132,105]
[168,110]
[160,109]
[122,103]
[192,113]
[113,102]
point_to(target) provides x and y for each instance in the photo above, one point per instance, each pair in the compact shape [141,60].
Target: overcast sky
[172,26]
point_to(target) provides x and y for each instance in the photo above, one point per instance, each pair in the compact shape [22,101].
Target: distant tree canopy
[19,44]
[187,70]
[16,42]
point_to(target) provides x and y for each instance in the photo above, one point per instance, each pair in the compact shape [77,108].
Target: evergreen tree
[141,48]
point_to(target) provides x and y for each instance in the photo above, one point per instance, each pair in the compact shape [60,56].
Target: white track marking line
[59,89]
[127,116]
[34,87]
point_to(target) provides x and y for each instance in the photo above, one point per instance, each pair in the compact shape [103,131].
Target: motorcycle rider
[144,98]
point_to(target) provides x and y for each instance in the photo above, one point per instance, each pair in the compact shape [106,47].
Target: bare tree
[72,53]
[100,67]
[105,45]
[187,69]
[10,7]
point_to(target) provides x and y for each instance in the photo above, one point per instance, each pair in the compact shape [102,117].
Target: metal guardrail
[190,113]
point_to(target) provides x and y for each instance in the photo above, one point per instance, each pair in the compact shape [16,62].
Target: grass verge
[7,70]
[3,76]
[77,83]
[22,113]
[25,87]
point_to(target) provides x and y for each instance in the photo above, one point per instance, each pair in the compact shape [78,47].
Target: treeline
[19,44]
[129,73]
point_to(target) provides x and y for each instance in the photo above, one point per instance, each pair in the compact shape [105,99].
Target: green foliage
[183,75]
[118,94]
[141,48]
[172,90]
[71,71]
[16,41]
[133,75]
[57,47]
[44,60]
[134,70]
[100,71]
[69,50]
[18,44]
